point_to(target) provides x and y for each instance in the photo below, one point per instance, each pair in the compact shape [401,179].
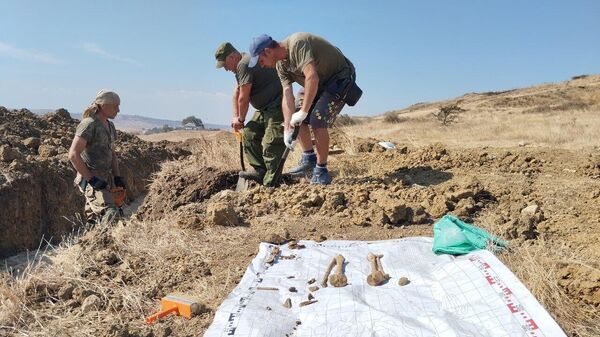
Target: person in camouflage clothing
[263,134]
[93,156]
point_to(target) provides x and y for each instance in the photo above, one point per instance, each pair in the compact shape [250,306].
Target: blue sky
[159,55]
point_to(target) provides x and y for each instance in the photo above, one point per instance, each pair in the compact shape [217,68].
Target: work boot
[257,174]
[320,176]
[305,166]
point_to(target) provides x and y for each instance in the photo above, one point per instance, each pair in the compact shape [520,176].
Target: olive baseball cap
[222,52]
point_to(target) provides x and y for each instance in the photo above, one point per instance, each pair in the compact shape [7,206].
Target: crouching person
[93,156]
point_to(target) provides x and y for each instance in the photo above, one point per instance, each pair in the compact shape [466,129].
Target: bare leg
[322,139]
[304,138]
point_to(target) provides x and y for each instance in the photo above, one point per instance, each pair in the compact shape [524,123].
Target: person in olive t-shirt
[325,73]
[263,134]
[93,156]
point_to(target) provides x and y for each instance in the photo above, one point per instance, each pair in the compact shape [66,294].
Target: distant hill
[132,123]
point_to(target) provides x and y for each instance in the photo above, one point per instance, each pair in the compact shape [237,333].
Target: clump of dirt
[370,202]
[37,196]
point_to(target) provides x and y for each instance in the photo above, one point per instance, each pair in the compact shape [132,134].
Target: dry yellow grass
[537,264]
[563,115]
[180,135]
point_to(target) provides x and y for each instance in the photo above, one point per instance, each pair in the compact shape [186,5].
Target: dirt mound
[177,192]
[37,197]
[546,209]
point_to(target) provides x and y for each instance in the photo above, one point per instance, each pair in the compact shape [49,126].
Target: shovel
[284,157]
[242,183]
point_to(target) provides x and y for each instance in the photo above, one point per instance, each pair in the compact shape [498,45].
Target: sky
[159,55]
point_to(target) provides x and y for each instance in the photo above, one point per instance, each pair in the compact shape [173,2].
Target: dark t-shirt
[97,154]
[266,88]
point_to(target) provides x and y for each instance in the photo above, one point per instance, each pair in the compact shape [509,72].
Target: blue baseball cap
[257,46]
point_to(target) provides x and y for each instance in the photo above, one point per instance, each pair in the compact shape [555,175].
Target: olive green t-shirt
[304,48]
[97,154]
[266,88]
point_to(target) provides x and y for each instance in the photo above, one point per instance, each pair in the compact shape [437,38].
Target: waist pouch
[353,94]
[345,88]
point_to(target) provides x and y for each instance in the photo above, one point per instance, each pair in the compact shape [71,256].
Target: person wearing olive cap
[328,79]
[263,134]
[93,156]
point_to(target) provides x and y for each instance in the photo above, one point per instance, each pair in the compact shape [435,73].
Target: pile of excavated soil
[37,196]
[179,190]
[196,236]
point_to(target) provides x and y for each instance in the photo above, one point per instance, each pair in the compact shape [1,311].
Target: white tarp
[470,295]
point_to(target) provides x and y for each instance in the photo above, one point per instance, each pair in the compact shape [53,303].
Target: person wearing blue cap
[328,81]
[263,134]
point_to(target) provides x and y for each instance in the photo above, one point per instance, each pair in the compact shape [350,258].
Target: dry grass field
[180,135]
[536,146]
[563,115]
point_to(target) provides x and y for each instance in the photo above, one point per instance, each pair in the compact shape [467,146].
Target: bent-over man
[263,134]
[328,79]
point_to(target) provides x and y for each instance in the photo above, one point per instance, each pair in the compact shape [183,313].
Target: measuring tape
[234,316]
[516,308]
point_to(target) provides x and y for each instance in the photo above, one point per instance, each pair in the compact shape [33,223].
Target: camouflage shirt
[97,154]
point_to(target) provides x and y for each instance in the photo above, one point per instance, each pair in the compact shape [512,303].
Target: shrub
[579,77]
[345,120]
[448,113]
[391,117]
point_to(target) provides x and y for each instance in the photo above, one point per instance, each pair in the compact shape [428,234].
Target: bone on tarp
[327,272]
[376,277]
[338,279]
[380,267]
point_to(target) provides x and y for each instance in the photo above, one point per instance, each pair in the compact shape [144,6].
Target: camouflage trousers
[263,141]
[99,204]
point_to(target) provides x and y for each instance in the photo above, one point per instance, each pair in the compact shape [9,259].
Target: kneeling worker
[263,134]
[93,156]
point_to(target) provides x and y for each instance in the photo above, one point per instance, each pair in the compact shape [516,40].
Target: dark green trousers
[263,141]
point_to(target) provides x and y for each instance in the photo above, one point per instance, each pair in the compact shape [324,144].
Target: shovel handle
[238,135]
[284,157]
[240,138]
[160,314]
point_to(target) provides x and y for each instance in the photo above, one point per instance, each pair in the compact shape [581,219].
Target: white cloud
[96,49]
[29,55]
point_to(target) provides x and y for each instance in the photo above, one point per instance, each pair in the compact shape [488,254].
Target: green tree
[194,120]
[448,113]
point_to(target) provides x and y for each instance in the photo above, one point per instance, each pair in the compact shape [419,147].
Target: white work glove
[287,138]
[298,117]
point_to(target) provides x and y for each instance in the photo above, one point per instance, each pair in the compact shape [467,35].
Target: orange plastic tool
[177,304]
[118,194]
